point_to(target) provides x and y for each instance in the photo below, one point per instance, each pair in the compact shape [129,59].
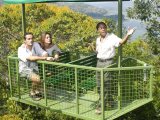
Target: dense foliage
[148,11]
[72,31]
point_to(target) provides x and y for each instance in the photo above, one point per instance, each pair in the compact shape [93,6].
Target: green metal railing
[71,86]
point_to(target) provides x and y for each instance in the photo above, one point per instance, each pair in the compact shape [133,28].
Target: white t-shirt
[106,48]
[24,53]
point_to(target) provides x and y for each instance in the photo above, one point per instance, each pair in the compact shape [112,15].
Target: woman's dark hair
[100,23]
[42,38]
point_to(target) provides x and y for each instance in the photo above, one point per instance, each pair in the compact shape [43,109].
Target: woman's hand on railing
[56,57]
[50,58]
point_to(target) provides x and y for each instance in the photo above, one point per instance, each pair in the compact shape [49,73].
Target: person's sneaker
[98,111]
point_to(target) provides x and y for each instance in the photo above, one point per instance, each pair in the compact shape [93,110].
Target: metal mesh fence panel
[133,85]
[78,88]
[13,76]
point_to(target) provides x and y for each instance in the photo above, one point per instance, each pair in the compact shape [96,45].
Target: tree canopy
[148,11]
[72,31]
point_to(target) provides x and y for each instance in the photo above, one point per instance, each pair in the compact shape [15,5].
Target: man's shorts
[27,73]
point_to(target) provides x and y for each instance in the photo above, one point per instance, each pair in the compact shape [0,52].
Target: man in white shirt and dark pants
[105,49]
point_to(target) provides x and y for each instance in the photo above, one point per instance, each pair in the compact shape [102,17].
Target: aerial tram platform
[71,86]
[71,89]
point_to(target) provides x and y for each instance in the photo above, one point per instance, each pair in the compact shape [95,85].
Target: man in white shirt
[105,49]
[28,54]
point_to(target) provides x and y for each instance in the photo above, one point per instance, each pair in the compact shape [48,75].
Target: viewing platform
[70,87]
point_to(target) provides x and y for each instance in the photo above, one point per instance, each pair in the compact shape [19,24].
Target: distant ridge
[97,13]
[1,2]
[86,9]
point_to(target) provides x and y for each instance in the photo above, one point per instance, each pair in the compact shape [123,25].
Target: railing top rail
[109,68]
[139,61]
[13,57]
[128,68]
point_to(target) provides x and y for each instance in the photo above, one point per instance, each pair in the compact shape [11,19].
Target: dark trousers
[107,82]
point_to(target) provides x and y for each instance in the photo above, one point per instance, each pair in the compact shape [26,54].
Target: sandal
[98,111]
[37,93]
[34,97]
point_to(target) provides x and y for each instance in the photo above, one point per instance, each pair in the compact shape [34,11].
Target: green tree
[138,49]
[148,11]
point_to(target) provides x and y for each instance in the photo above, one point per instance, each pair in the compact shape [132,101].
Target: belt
[104,60]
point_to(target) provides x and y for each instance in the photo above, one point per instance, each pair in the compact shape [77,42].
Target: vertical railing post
[23,19]
[119,30]
[102,93]
[77,97]
[150,83]
[27,86]
[44,83]
[18,82]
[119,49]
[119,91]
[9,73]
[144,79]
